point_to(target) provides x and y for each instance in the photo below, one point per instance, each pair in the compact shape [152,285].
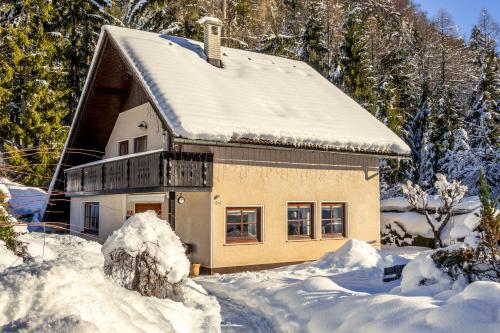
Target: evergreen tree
[483,119]
[312,48]
[79,22]
[354,73]
[33,99]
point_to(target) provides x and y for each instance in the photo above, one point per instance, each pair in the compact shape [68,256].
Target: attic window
[215,30]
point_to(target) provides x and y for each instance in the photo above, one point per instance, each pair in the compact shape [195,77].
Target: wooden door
[142,207]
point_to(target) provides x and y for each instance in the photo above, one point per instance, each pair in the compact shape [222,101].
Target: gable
[127,128]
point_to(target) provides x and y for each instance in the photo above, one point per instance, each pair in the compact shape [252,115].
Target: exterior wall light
[143,125]
[181,200]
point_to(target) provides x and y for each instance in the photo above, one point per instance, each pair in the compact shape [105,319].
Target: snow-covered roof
[254,97]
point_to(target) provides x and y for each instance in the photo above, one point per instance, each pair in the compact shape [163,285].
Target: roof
[254,97]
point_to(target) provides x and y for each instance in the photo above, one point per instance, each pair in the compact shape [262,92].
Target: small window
[91,217]
[243,225]
[123,148]
[300,220]
[215,30]
[140,144]
[333,220]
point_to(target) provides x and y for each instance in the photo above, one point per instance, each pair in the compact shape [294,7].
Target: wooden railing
[161,170]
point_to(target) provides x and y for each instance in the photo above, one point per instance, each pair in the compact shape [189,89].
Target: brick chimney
[212,36]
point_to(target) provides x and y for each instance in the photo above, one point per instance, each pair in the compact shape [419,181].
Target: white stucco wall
[127,128]
[112,211]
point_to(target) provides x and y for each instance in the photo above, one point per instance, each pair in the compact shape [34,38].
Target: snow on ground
[62,288]
[23,200]
[340,293]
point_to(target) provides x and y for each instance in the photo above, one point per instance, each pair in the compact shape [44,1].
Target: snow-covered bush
[147,256]
[396,234]
[449,194]
[8,236]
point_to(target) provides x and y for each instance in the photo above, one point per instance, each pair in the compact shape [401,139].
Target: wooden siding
[159,171]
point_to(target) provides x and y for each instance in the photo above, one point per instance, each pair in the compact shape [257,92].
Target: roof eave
[288,147]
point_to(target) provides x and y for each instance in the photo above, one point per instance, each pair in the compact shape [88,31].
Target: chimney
[212,36]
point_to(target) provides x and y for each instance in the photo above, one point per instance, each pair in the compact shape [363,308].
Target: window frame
[119,147]
[86,230]
[312,235]
[135,145]
[345,219]
[259,238]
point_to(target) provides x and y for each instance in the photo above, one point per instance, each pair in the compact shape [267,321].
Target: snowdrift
[24,202]
[306,298]
[354,254]
[67,291]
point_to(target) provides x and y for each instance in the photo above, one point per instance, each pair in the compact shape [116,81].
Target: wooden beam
[109,91]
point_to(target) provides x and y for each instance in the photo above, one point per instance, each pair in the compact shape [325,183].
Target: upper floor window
[333,221]
[300,220]
[243,224]
[141,144]
[123,148]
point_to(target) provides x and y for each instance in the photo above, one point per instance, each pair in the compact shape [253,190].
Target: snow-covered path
[238,318]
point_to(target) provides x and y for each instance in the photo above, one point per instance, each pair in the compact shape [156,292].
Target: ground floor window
[300,220]
[243,224]
[333,221]
[91,217]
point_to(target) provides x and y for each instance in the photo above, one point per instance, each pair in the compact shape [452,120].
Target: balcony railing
[155,171]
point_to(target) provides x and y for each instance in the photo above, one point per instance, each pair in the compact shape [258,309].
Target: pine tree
[33,99]
[312,48]
[483,119]
[354,73]
[488,252]
[79,22]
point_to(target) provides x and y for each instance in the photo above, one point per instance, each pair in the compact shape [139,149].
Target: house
[254,160]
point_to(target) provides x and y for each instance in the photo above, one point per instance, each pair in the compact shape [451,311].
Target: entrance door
[142,207]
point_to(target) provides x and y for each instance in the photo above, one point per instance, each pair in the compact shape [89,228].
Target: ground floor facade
[263,209]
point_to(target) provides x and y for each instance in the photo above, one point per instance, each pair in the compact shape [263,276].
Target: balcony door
[142,207]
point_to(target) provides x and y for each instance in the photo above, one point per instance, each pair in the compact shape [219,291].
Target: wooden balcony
[158,171]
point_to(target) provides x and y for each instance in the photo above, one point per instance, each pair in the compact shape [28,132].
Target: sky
[464,12]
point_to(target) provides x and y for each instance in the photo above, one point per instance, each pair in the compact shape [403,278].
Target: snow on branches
[449,194]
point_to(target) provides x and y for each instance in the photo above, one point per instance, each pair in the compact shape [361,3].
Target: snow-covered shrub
[147,256]
[449,194]
[8,235]
[422,272]
[396,234]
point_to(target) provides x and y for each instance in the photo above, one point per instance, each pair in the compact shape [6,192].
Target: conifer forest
[419,75]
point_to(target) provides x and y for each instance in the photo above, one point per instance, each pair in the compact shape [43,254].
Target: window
[123,148]
[243,225]
[300,220]
[140,144]
[91,217]
[215,30]
[333,219]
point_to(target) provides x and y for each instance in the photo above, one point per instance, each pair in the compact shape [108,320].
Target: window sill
[301,239]
[337,237]
[242,243]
